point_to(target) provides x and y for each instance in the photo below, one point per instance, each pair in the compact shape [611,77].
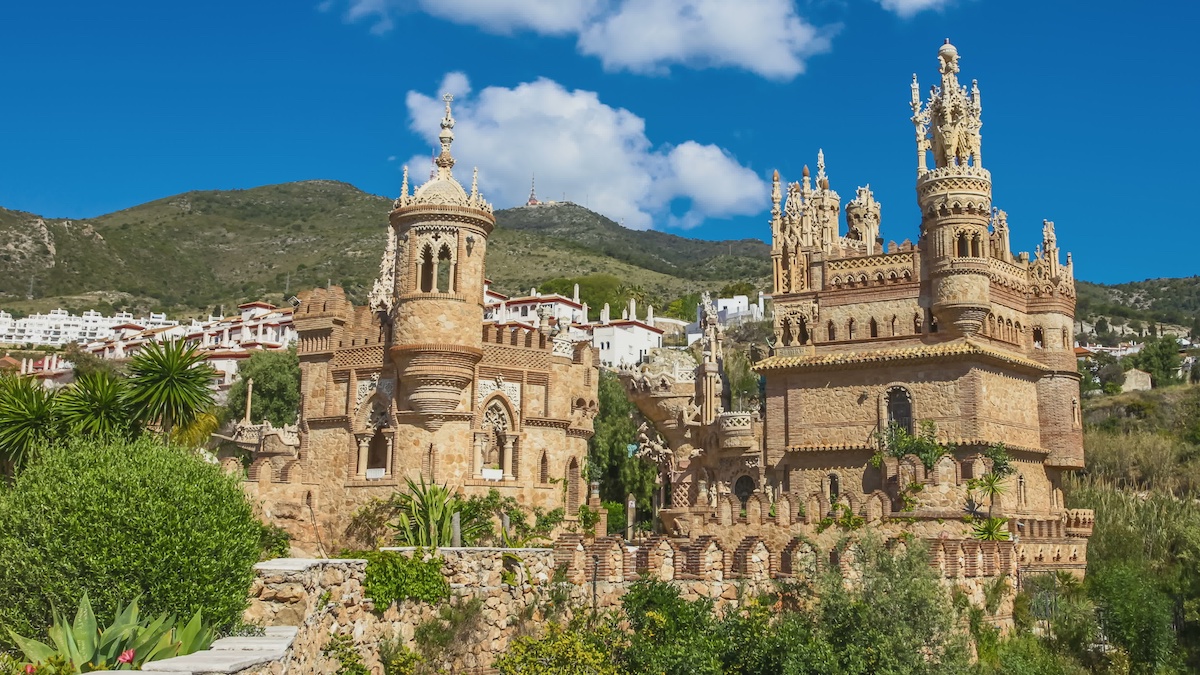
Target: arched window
[917,323]
[803,331]
[832,332]
[963,245]
[977,246]
[1038,340]
[445,270]
[573,486]
[743,488]
[850,329]
[895,326]
[377,451]
[835,489]
[544,470]
[874,328]
[899,408]
[426,269]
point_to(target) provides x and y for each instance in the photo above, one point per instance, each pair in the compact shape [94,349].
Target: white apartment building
[60,328]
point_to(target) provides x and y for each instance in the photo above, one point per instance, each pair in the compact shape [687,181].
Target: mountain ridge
[206,250]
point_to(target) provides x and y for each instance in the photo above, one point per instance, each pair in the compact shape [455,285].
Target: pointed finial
[475,184]
[805,173]
[404,183]
[822,180]
[446,137]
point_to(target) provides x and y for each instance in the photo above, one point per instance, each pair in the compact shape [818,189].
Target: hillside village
[528,436]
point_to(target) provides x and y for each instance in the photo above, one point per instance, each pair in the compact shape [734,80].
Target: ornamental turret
[438,240]
[955,197]
[862,220]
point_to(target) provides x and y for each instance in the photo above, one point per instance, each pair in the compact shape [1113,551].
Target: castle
[954,333]
[416,385]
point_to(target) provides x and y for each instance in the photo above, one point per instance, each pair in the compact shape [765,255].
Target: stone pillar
[507,464]
[364,445]
[477,469]
[387,466]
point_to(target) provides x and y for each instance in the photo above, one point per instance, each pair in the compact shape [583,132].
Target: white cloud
[767,37]
[584,150]
[763,36]
[908,8]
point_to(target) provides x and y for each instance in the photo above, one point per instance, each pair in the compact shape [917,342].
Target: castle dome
[442,189]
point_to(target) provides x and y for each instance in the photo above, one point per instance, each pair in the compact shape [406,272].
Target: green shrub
[340,648]
[392,577]
[561,651]
[119,520]
[274,542]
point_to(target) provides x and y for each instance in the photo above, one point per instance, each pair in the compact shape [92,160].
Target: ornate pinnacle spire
[446,137]
[403,198]
[822,179]
[776,196]
[475,184]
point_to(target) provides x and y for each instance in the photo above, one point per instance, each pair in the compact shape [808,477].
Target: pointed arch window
[899,408]
[832,332]
[874,328]
[445,270]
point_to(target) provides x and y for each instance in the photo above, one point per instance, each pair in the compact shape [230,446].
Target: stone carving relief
[510,389]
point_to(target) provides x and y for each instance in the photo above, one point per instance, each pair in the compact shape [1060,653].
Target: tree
[990,486]
[743,382]
[561,651]
[739,288]
[276,396]
[169,385]
[1102,326]
[117,519]
[1160,358]
[28,420]
[96,405]
[609,458]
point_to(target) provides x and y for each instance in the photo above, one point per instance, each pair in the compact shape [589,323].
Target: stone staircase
[231,654]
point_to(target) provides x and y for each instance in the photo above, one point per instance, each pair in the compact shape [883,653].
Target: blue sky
[659,113]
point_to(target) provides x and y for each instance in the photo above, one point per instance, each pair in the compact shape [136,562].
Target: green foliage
[393,577]
[743,382]
[96,405]
[991,529]
[1160,358]
[276,395]
[118,519]
[274,541]
[479,513]
[28,419]
[559,651]
[425,514]
[398,659]
[449,631]
[341,648]
[169,385]
[130,639]
[1137,615]
[670,635]
[588,519]
[1001,461]
[897,442]
[616,427]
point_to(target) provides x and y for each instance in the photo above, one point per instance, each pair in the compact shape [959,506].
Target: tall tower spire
[445,161]
[533,200]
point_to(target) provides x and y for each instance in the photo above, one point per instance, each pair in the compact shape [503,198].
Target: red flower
[126,656]
[29,669]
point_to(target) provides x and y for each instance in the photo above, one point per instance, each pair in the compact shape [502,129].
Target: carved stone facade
[954,330]
[416,385]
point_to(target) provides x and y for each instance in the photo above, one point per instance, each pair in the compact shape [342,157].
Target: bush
[392,577]
[561,651]
[123,519]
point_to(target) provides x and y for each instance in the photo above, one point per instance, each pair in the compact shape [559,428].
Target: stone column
[364,445]
[477,469]
[508,457]
[387,467]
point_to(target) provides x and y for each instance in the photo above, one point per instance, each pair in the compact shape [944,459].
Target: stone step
[231,654]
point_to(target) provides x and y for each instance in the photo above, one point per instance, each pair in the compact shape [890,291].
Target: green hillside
[193,253]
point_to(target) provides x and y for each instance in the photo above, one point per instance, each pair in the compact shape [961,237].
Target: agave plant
[991,486]
[96,405]
[991,529]
[169,385]
[28,418]
[426,514]
[127,643]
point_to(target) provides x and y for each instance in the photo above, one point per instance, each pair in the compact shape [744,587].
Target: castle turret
[441,235]
[955,198]
[862,218]
[826,205]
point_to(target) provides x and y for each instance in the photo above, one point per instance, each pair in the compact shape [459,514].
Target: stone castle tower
[415,385]
[955,330]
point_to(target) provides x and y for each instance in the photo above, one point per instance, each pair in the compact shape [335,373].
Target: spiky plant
[990,486]
[28,418]
[96,405]
[425,514]
[991,529]
[169,385]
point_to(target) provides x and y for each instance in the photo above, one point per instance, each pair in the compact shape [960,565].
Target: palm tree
[96,405]
[169,385]
[990,486]
[28,418]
